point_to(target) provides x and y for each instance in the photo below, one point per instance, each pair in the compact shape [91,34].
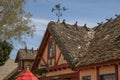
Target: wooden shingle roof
[83,46]
[7,68]
[28,54]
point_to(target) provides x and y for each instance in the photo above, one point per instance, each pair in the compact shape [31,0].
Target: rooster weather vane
[58,9]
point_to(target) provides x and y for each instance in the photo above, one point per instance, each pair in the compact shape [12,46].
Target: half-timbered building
[25,57]
[72,52]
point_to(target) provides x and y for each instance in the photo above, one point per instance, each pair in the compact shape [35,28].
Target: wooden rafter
[58,58]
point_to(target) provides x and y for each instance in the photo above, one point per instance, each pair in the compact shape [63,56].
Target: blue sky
[88,12]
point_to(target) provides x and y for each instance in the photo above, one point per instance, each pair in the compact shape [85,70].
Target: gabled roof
[41,49]
[105,45]
[28,54]
[7,69]
[83,46]
[72,40]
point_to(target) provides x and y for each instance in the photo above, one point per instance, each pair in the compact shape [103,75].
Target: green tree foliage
[14,20]
[14,23]
[5,49]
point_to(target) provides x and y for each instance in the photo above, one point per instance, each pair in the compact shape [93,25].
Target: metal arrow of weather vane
[58,9]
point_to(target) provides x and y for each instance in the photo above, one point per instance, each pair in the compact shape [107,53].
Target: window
[51,49]
[86,78]
[51,52]
[56,78]
[107,77]
[20,64]
[68,79]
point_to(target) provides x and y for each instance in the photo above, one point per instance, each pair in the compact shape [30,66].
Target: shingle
[72,42]
[27,54]
[83,46]
[7,68]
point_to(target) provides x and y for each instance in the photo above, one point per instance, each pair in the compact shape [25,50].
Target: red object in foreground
[27,75]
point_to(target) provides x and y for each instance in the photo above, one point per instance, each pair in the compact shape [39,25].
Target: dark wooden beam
[73,76]
[23,64]
[116,72]
[102,64]
[97,73]
[44,61]
[41,49]
[58,58]
[58,67]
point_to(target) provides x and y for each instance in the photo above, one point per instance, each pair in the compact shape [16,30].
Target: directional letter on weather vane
[59,9]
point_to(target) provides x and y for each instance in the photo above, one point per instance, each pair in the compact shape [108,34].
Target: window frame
[86,77]
[51,45]
[107,75]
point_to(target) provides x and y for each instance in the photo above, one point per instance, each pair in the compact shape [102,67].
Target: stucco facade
[104,70]
[56,61]
[91,72]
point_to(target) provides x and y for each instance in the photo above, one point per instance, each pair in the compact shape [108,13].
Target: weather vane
[59,9]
